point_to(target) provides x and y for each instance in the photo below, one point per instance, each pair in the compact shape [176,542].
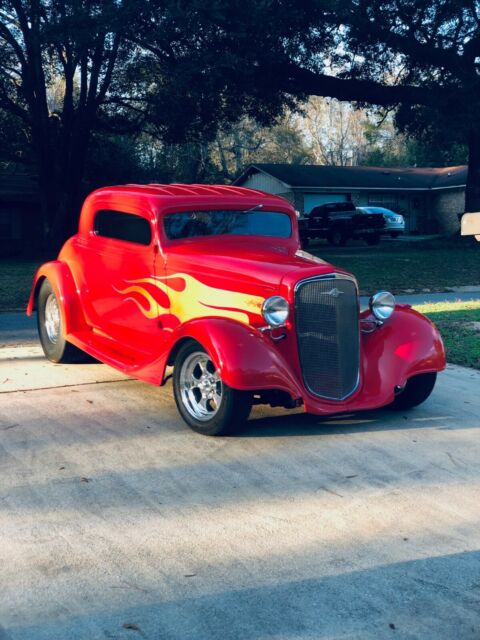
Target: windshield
[192,224]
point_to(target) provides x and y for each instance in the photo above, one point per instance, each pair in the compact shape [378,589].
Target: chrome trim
[330,276]
[269,329]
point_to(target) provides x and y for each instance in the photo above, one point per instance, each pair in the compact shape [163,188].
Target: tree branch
[9,105]
[9,37]
[297,80]
[107,79]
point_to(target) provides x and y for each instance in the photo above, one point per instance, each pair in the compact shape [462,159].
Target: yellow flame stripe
[152,311]
[198,300]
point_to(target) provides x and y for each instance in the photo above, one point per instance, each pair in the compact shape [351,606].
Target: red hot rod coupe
[212,281]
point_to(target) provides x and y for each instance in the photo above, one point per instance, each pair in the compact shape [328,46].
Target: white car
[394,222]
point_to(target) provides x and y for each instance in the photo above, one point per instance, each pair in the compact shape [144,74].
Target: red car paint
[131,305]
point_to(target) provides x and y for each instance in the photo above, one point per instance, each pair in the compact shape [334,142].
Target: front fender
[60,277]
[406,345]
[245,358]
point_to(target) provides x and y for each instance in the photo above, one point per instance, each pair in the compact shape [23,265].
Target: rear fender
[245,358]
[60,277]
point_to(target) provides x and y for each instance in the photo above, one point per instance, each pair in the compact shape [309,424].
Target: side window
[122,226]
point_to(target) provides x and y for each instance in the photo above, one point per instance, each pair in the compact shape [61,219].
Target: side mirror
[470,225]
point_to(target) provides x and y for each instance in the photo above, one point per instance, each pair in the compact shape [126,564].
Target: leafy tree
[247,141]
[335,131]
[58,66]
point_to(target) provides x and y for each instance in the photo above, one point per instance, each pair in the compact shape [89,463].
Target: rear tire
[394,234]
[337,238]
[372,240]
[415,392]
[51,331]
[204,401]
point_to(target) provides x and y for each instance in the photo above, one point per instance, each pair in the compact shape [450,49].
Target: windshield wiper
[255,208]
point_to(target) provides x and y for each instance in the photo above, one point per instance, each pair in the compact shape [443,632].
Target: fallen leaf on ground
[131,627]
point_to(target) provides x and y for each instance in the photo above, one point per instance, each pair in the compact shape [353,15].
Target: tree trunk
[472,195]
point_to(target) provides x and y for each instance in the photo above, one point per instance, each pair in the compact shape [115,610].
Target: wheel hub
[52,319]
[200,386]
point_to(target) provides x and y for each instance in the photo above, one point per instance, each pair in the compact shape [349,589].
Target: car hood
[392,216]
[250,262]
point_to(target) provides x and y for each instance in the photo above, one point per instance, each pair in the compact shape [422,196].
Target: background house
[20,219]
[429,198]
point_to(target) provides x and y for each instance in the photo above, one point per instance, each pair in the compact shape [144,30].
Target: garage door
[314,199]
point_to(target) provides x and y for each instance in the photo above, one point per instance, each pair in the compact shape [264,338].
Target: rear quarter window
[120,225]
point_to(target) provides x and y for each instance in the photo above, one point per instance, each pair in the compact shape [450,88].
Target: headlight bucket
[382,305]
[275,310]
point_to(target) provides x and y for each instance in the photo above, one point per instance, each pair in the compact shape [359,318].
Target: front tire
[50,329]
[205,402]
[415,392]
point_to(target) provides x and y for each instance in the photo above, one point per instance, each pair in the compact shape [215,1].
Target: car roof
[377,209]
[158,198]
[169,190]
[188,194]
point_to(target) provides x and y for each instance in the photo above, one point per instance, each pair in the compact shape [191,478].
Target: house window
[386,200]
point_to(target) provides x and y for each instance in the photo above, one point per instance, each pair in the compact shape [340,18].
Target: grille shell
[328,335]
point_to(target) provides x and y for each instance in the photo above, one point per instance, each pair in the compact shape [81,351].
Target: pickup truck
[338,222]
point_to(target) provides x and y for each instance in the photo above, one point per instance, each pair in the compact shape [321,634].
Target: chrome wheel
[201,388]
[52,318]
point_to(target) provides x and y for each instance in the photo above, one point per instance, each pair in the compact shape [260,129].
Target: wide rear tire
[204,401]
[415,392]
[51,331]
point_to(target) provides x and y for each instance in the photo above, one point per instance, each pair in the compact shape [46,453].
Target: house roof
[316,176]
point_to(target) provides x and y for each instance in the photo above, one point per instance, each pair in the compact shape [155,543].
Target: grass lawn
[459,324]
[406,268]
[399,267]
[16,278]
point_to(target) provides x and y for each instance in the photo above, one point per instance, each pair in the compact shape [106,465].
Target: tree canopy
[420,58]
[183,70]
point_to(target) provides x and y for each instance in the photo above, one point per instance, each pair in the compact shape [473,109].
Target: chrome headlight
[275,310]
[382,305]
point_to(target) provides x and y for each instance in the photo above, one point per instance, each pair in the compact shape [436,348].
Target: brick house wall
[446,205]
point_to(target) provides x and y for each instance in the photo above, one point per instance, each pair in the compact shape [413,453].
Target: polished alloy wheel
[52,318]
[200,386]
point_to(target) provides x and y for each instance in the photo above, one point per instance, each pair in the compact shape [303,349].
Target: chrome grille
[326,316]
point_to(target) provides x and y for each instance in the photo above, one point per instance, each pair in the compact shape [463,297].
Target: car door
[120,266]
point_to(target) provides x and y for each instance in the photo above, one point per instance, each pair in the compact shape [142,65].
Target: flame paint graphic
[185,298]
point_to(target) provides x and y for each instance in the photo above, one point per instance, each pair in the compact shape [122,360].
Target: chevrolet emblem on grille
[335,293]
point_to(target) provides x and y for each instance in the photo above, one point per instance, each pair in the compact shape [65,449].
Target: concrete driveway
[117,522]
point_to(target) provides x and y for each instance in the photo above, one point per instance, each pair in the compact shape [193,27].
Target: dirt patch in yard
[473,326]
